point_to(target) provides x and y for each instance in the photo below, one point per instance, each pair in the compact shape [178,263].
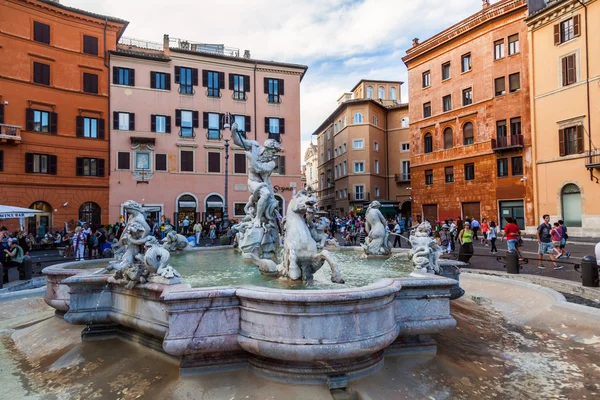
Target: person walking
[556,233]
[197,232]
[511,233]
[212,233]
[446,238]
[544,238]
[563,240]
[492,234]
[475,226]
[79,243]
[465,238]
[186,225]
[397,233]
[484,231]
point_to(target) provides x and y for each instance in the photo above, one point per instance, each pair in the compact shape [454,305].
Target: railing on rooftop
[204,47]
[141,44]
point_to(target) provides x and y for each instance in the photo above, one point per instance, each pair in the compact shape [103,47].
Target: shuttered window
[90,45]
[502,167]
[274,88]
[41,32]
[160,123]
[123,121]
[41,73]
[514,82]
[123,160]
[279,165]
[214,162]
[89,127]
[517,166]
[213,81]
[187,78]
[570,140]
[569,70]
[160,162]
[40,163]
[239,163]
[240,84]
[500,86]
[187,161]
[90,83]
[160,80]
[89,166]
[41,121]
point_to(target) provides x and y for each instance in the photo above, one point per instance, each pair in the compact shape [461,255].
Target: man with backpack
[544,237]
[563,242]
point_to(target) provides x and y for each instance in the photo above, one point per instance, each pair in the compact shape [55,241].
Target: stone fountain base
[310,337]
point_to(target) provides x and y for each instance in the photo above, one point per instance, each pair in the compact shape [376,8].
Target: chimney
[415,42]
[166,50]
[486,4]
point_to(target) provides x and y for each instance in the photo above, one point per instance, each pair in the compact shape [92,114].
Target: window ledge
[466,72]
[446,80]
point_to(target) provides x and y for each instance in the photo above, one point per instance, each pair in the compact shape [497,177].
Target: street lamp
[227,121]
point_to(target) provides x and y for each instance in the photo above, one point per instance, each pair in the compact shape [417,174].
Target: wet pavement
[496,352]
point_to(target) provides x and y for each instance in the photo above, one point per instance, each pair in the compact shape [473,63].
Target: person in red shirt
[511,233]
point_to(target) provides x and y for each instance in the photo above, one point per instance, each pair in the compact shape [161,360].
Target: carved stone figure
[376,243]
[156,259]
[261,232]
[300,259]
[425,251]
[174,241]
[319,230]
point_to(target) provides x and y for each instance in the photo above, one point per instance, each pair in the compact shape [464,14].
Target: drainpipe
[587,79]
[255,115]
[108,125]
[387,152]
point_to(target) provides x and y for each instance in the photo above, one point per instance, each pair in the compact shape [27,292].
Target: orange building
[470,122]
[54,111]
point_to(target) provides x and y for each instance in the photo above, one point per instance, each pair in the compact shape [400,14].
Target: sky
[341,41]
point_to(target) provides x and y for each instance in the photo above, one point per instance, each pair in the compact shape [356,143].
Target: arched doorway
[406,209]
[42,222]
[281,205]
[213,206]
[90,212]
[187,206]
[571,205]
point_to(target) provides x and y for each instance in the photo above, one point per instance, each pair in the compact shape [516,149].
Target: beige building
[565,104]
[363,151]
[311,164]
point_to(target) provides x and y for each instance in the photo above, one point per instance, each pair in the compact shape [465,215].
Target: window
[359,192]
[427,110]
[467,96]
[376,166]
[426,79]
[569,70]
[448,138]
[214,162]
[89,127]
[244,122]
[187,79]
[449,173]
[358,118]
[392,93]
[500,86]
[404,122]
[466,62]
[160,162]
[501,129]
[275,127]
[239,209]
[571,140]
[468,134]
[90,83]
[571,205]
[186,121]
[214,125]
[429,177]
[514,82]
[369,92]
[123,121]
[280,168]
[41,121]
[405,147]
[160,123]
[499,49]
[406,170]
[1,160]
[502,167]
[345,169]
[447,102]
[377,192]
[160,80]
[376,146]
[123,160]
[187,161]
[345,149]
[517,166]
[41,73]
[41,32]
[335,153]
[469,172]
[345,192]
[513,44]
[567,30]
[240,84]
[274,89]
[359,167]
[428,143]
[40,163]
[328,155]
[142,160]
[123,76]
[214,81]
[239,163]
[89,167]
[358,144]
[445,71]
[381,93]
[515,126]
[90,45]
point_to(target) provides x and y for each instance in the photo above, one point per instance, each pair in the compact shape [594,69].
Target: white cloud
[341,41]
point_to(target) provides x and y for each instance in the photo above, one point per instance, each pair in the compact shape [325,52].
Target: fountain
[304,330]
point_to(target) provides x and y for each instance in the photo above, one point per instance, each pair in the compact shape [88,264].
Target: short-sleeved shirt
[512,231]
[556,234]
[544,230]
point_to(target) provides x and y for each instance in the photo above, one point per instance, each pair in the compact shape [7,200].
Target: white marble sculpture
[318,230]
[174,241]
[140,259]
[376,243]
[259,232]
[425,252]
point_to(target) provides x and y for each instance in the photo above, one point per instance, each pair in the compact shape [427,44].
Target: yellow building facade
[565,104]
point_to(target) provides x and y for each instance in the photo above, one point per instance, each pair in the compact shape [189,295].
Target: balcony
[507,142]
[402,178]
[592,159]
[10,134]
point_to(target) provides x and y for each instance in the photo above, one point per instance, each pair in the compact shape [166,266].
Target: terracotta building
[363,151]
[54,111]
[565,99]
[168,142]
[470,119]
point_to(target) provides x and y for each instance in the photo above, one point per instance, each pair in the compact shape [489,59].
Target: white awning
[187,204]
[7,212]
[214,204]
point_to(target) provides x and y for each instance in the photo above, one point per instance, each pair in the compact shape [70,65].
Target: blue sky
[342,41]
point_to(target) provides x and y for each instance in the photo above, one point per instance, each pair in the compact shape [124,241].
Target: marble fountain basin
[328,335]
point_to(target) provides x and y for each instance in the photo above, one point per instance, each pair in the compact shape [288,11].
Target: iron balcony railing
[140,44]
[593,159]
[507,142]
[204,47]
